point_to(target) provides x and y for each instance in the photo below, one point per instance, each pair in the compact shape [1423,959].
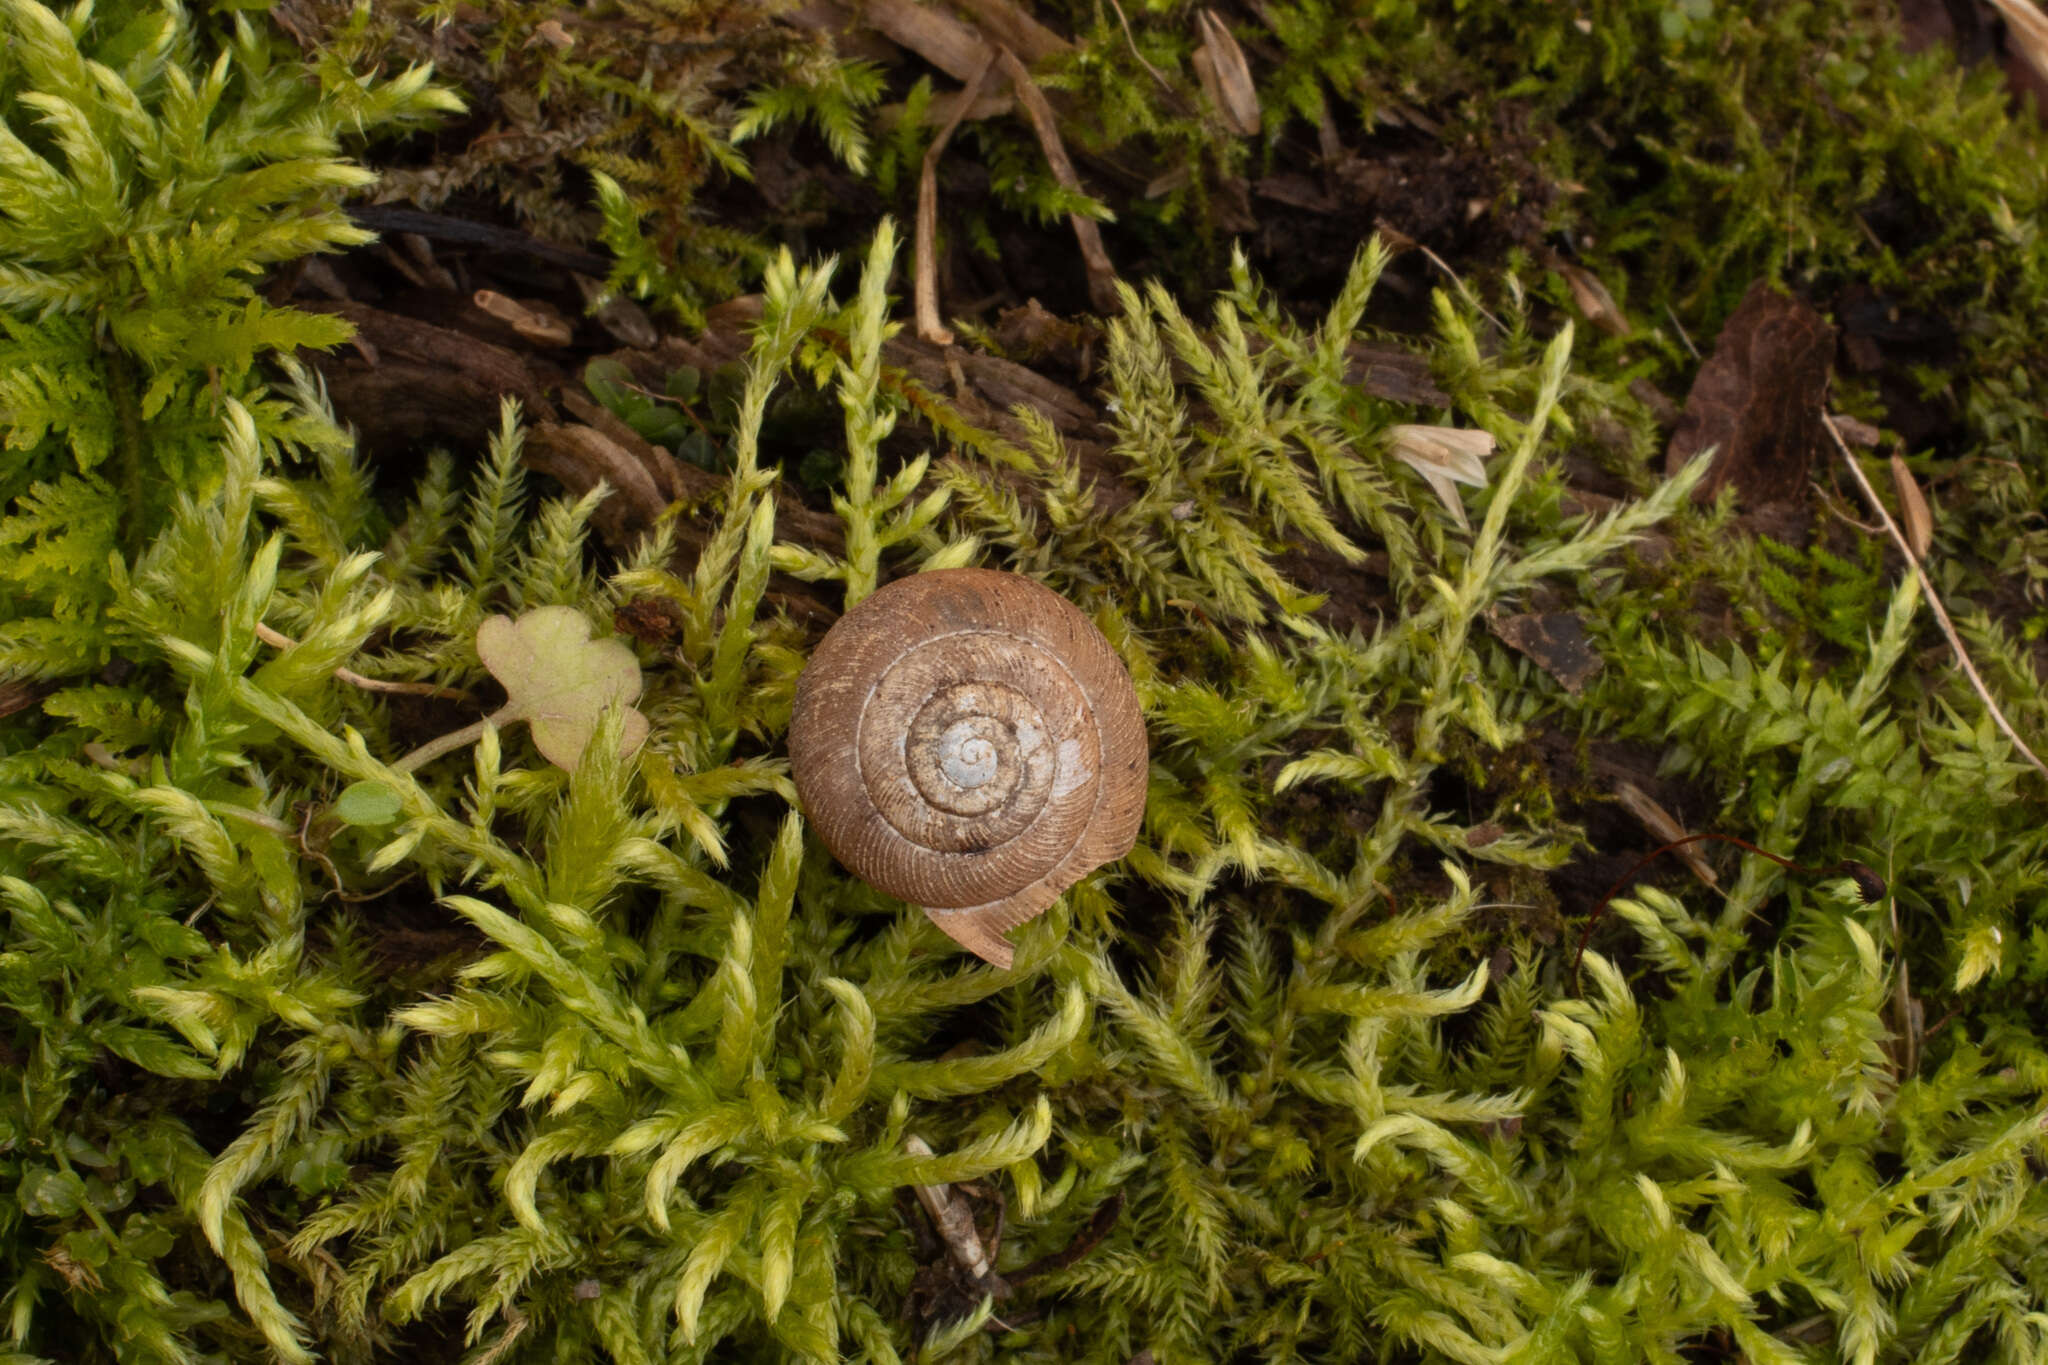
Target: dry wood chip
[1015,29]
[926,288]
[2026,29]
[1592,298]
[946,42]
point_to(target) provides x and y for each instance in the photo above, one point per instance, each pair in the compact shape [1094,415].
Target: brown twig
[1101,273]
[279,640]
[1132,39]
[1948,629]
[929,328]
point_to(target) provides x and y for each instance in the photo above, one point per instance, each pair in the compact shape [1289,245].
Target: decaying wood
[428,385]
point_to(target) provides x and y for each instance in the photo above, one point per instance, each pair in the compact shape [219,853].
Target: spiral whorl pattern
[967,740]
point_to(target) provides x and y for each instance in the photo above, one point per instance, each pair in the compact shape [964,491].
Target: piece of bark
[429,385]
[18,694]
[1758,400]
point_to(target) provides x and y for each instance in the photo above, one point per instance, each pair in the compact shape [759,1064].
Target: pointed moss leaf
[368,804]
[559,680]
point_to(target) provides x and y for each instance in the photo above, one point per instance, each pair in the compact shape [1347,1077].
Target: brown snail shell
[967,740]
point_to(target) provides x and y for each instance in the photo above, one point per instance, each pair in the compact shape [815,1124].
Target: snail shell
[967,741]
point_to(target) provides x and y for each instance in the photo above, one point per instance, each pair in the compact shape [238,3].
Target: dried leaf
[1593,299]
[1444,456]
[1227,76]
[1663,828]
[559,680]
[1913,513]
[2026,31]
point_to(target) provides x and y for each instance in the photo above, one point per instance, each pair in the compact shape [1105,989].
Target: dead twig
[1132,39]
[929,328]
[1948,629]
[1397,239]
[1101,273]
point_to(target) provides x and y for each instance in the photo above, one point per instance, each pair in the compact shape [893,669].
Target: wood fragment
[950,44]
[622,317]
[1101,274]
[1948,628]
[1012,26]
[1592,297]
[926,288]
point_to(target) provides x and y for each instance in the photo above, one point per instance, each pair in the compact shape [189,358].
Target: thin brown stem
[279,640]
[1948,629]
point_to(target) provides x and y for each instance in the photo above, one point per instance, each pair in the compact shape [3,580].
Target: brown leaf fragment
[1592,298]
[1757,400]
[1556,640]
[1226,76]
[1918,522]
[1664,828]
[625,319]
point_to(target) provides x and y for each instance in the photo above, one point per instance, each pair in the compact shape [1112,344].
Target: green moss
[619,1064]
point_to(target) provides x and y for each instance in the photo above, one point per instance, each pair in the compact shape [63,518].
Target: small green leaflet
[367,804]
